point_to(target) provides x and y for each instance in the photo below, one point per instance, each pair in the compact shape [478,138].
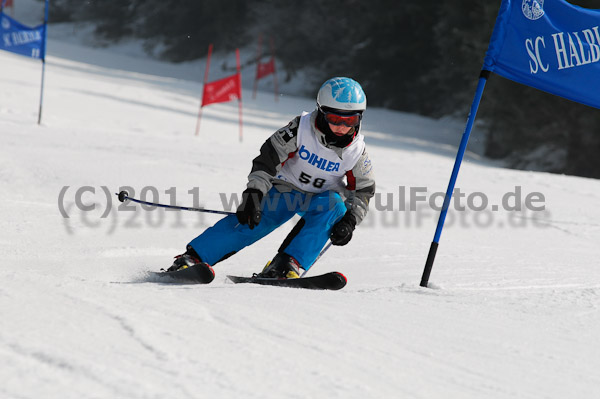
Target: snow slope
[514,311]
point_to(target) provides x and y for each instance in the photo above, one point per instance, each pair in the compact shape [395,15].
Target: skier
[300,170]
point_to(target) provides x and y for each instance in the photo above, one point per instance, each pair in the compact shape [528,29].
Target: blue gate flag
[551,45]
[20,39]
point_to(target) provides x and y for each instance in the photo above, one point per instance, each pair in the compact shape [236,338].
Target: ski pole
[345,231]
[318,257]
[124,195]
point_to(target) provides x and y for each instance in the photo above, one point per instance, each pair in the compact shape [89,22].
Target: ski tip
[201,273]
[238,279]
[209,267]
[342,277]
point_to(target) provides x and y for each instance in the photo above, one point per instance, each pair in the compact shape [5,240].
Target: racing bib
[315,168]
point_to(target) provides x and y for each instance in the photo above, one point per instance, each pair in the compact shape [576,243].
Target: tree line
[420,56]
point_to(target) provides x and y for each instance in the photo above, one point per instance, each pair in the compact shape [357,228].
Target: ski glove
[341,233]
[249,212]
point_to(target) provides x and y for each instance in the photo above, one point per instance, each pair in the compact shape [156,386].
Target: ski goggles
[349,120]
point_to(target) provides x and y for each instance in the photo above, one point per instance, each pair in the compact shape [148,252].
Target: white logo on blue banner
[533,9]
[21,39]
[558,53]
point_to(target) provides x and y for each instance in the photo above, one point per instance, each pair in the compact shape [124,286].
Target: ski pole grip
[256,216]
[123,195]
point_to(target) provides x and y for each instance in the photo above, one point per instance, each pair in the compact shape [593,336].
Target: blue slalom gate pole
[459,157]
[42,92]
[45,40]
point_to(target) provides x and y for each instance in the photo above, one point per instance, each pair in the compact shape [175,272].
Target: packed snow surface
[512,309]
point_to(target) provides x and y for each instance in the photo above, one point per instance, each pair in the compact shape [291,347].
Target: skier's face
[339,130]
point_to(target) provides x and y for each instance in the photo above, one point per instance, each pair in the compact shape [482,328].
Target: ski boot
[185,260]
[282,266]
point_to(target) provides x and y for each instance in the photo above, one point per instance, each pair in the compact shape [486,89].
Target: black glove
[341,233]
[249,212]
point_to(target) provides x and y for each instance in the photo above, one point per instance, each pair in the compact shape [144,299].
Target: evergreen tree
[416,55]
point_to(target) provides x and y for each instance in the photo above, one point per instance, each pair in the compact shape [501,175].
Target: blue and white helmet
[343,94]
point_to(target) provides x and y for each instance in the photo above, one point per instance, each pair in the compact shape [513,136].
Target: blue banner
[20,39]
[551,45]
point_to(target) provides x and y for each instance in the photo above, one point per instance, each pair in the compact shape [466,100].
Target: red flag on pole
[222,90]
[8,3]
[265,69]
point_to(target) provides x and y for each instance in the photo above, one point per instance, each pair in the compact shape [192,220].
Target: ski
[200,274]
[327,281]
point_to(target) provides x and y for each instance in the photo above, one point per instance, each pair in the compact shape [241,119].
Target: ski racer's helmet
[340,101]
[343,94]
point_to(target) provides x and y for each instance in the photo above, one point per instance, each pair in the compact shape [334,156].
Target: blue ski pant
[319,211]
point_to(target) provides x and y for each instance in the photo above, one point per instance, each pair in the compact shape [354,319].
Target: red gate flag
[7,3]
[265,69]
[223,90]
